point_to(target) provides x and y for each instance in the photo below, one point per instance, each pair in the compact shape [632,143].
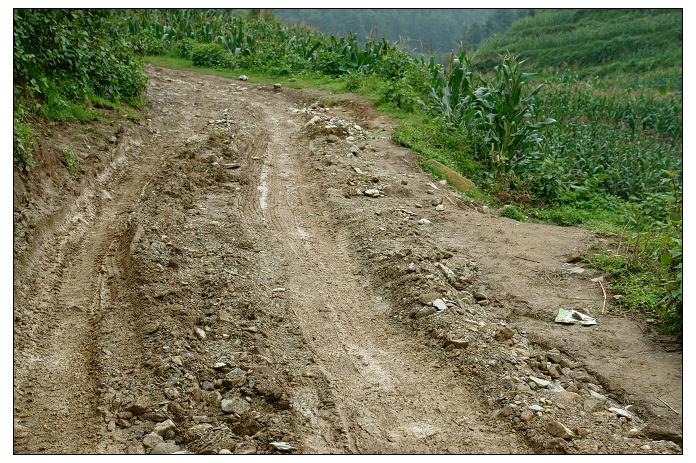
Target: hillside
[595,42]
[435,30]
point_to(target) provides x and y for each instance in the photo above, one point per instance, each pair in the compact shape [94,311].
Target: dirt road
[253,269]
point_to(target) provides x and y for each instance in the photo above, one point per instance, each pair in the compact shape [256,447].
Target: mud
[237,279]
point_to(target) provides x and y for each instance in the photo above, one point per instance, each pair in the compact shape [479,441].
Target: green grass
[71,163]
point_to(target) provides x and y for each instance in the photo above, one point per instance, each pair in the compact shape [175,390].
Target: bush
[511,212]
[184,48]
[211,55]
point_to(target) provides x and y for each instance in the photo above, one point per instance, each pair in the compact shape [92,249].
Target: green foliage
[401,94]
[499,113]
[22,141]
[183,48]
[71,163]
[512,212]
[77,48]
[62,60]
[211,55]
[593,42]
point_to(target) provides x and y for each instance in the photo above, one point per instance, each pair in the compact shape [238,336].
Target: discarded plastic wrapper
[571,316]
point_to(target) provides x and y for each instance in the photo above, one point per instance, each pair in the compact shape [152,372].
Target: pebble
[459,343]
[440,207]
[424,222]
[621,412]
[540,382]
[165,448]
[372,192]
[243,78]
[277,86]
[152,440]
[527,416]
[164,427]
[436,201]
[439,304]
[428,298]
[480,295]
[536,408]
[505,333]
[597,396]
[235,405]
[282,446]
[332,138]
[354,149]
[199,332]
[558,429]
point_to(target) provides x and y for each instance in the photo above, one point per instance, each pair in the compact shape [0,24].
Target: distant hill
[593,42]
[430,30]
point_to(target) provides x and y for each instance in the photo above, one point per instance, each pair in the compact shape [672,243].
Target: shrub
[184,47]
[210,55]
[511,212]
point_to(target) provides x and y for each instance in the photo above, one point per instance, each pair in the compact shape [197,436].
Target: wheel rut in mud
[259,272]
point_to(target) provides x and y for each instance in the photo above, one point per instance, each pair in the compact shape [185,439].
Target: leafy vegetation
[62,60]
[71,163]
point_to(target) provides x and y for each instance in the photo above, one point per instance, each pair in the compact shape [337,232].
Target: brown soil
[228,254]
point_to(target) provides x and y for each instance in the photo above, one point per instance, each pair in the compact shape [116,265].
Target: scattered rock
[151,326]
[314,120]
[436,201]
[428,298]
[243,78]
[621,412]
[137,408]
[234,378]
[332,138]
[527,416]
[479,295]
[164,427]
[284,446]
[458,343]
[597,396]
[199,332]
[165,448]
[505,333]
[440,207]
[439,304]
[558,429]
[372,192]
[277,86]
[171,393]
[152,440]
[235,405]
[536,408]
[354,149]
[539,382]
[424,222]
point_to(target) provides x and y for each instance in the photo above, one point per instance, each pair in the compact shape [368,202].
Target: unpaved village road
[252,267]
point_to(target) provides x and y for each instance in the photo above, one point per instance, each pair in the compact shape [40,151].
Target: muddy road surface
[255,272]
